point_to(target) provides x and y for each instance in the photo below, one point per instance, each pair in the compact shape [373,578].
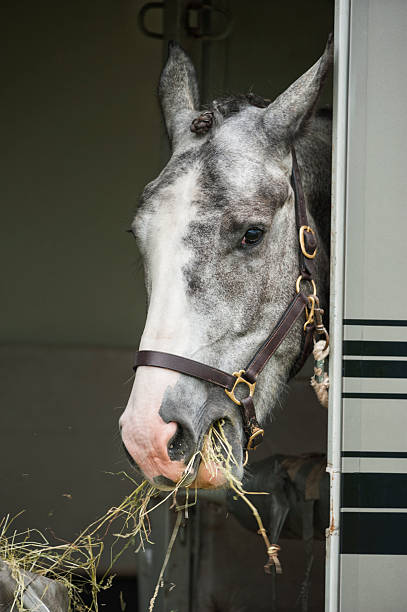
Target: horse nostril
[162,481]
[179,447]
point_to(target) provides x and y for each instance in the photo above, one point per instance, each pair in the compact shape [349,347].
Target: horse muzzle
[166,440]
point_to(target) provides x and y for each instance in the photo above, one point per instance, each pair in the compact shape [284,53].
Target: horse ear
[178,92]
[289,113]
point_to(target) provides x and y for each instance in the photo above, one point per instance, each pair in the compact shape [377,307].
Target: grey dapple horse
[217,233]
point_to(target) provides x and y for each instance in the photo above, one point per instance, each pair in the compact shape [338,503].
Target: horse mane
[219,110]
[223,108]
[232,104]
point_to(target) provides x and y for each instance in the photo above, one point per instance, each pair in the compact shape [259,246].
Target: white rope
[320,380]
[321,350]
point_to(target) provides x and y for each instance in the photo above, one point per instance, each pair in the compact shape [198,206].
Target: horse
[218,237]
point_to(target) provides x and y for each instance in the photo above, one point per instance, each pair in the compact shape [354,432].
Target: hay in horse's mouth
[217,459]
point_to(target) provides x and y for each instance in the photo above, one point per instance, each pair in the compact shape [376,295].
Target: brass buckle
[311,298]
[256,433]
[239,380]
[306,228]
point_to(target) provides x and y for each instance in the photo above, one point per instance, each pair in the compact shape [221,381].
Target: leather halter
[300,302]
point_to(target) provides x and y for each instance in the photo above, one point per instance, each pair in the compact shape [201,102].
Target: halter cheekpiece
[301,301]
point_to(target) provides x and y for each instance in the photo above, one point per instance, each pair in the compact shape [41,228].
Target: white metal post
[339,163]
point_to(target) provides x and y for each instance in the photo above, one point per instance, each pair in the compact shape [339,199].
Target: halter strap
[218,377]
[280,330]
[249,376]
[185,366]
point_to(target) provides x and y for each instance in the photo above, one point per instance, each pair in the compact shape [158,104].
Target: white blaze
[168,328]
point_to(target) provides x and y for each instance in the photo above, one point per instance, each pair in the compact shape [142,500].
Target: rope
[320,380]
[272,552]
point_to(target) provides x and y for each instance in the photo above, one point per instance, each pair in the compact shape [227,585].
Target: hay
[75,565]
[166,559]
[218,456]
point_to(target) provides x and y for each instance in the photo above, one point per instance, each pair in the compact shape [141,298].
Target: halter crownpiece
[299,303]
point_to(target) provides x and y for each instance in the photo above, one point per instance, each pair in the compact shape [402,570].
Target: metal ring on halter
[306,228]
[256,433]
[297,285]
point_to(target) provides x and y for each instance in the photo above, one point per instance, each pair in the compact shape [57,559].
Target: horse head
[218,237]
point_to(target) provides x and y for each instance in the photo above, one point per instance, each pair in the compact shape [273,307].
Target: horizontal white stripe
[373,358]
[372,332]
[374,385]
[374,464]
[383,510]
[374,425]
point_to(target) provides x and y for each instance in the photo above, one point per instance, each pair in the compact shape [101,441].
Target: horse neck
[314,160]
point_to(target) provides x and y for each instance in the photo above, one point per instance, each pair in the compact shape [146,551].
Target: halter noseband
[248,376]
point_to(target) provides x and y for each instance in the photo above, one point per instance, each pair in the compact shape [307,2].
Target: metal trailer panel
[373,436]
[373,582]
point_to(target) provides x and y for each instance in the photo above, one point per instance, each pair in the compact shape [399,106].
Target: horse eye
[252,236]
